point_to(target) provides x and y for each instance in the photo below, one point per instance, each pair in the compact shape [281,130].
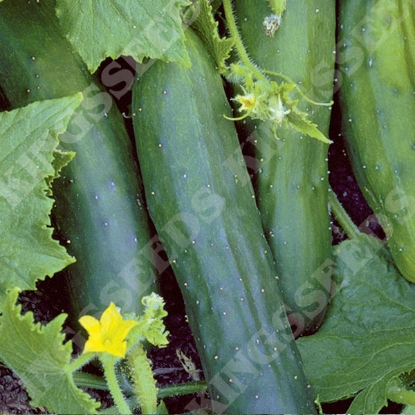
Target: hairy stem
[80,361]
[240,48]
[108,363]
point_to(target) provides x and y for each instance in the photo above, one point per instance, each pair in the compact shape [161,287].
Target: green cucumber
[291,174]
[376,76]
[202,203]
[99,212]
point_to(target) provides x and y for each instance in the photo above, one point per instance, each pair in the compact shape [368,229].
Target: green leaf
[150,324]
[207,28]
[101,29]
[38,355]
[368,338]
[28,138]
[299,122]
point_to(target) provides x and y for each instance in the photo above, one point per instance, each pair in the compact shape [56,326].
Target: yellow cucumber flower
[108,334]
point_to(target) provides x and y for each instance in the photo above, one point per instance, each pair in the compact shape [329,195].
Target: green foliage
[28,163]
[207,28]
[368,338]
[40,357]
[99,30]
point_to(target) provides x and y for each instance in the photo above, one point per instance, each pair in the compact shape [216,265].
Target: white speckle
[112,186]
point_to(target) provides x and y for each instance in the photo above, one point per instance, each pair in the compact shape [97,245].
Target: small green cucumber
[202,203]
[376,77]
[99,214]
[291,174]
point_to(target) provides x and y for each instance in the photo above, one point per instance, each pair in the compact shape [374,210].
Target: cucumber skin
[201,201]
[376,95]
[101,185]
[291,175]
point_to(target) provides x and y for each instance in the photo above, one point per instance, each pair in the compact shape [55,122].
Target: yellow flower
[247,102]
[109,333]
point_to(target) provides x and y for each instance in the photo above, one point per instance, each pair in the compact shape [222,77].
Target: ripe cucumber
[202,203]
[377,82]
[291,174]
[99,212]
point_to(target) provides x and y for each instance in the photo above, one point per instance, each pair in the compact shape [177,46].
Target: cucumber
[376,71]
[291,174]
[100,213]
[202,204]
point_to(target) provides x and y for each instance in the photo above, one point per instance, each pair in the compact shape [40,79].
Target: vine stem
[352,231]
[108,364]
[80,361]
[240,48]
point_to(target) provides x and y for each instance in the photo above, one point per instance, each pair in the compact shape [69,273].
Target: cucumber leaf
[28,162]
[101,29]
[39,356]
[368,337]
[207,28]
